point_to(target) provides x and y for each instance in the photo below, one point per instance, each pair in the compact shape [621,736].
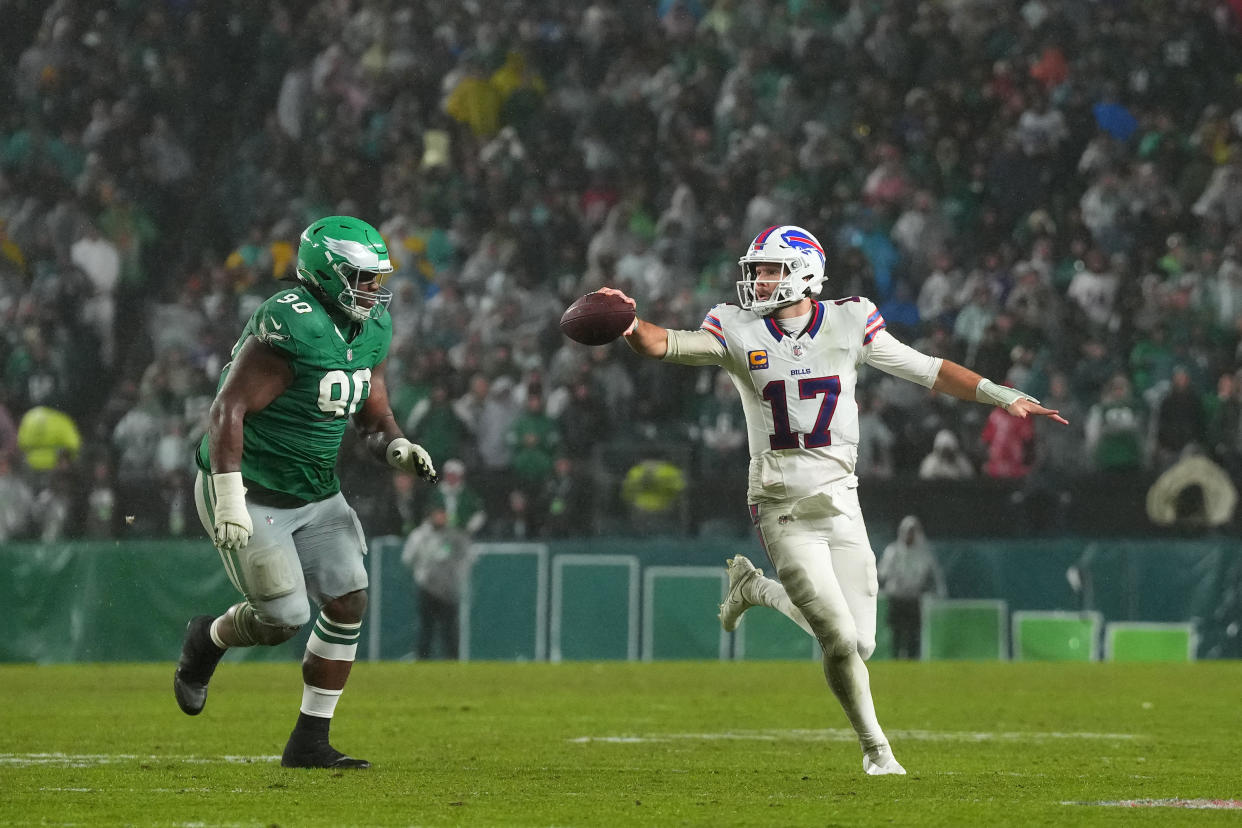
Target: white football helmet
[802,258]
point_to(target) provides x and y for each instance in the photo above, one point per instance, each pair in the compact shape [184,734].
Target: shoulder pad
[290,317]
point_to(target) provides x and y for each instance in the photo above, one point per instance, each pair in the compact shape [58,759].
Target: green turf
[713,744]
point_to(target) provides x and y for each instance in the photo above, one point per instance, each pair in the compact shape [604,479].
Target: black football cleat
[312,753]
[199,657]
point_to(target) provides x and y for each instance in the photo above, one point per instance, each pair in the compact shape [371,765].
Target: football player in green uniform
[310,358]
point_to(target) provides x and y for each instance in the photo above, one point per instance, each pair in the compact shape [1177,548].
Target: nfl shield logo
[349,354]
[798,350]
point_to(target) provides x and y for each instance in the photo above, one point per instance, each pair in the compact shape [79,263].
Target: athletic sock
[215,633]
[319,703]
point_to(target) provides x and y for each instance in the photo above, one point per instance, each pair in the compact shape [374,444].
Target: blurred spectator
[875,439]
[514,166]
[100,503]
[653,492]
[1011,442]
[946,461]
[566,501]
[438,428]
[1046,497]
[1225,423]
[462,506]
[135,441]
[534,438]
[99,260]
[440,557]
[495,419]
[16,502]
[474,100]
[515,521]
[8,428]
[584,418]
[722,444]
[907,571]
[44,435]
[1180,419]
[1115,429]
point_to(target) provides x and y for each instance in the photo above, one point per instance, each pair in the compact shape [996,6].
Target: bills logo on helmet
[800,240]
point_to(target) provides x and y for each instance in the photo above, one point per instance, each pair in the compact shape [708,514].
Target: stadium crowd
[1047,191]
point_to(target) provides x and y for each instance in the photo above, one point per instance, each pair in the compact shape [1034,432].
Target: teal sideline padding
[504,611]
[1056,636]
[129,601]
[679,613]
[595,602]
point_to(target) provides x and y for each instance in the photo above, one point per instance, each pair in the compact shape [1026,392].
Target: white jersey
[798,390]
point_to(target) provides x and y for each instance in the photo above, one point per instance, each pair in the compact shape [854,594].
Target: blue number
[784,437]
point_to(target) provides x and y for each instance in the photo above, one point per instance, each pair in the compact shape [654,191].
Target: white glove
[411,457]
[233,526]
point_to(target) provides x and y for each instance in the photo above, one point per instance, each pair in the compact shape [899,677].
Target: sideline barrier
[1056,636]
[679,613]
[112,601]
[964,629]
[1138,641]
[594,607]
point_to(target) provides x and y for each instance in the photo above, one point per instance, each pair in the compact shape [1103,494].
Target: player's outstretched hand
[1025,407]
[411,457]
[614,292]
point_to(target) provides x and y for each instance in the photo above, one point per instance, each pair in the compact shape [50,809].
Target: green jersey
[290,448]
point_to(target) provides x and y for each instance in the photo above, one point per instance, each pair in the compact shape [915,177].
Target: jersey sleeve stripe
[874,316]
[873,329]
[719,336]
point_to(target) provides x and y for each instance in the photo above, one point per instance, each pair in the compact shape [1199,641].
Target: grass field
[712,744]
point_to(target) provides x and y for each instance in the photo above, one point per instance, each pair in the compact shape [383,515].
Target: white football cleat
[741,570]
[882,764]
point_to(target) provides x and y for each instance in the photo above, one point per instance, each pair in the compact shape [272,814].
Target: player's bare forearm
[644,338]
[963,383]
[224,436]
[257,376]
[648,339]
[957,381]
[377,434]
[375,422]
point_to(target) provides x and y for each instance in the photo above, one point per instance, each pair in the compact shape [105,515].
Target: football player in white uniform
[794,360]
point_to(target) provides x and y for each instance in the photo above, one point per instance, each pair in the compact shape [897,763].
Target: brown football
[597,318]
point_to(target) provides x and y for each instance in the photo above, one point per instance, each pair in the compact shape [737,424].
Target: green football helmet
[336,255]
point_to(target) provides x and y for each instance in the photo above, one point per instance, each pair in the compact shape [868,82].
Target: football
[597,318]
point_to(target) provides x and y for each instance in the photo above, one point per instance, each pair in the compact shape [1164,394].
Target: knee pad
[269,572]
[866,649]
[253,629]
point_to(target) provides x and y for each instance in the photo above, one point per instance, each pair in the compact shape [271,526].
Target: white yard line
[86,760]
[844,735]
[1192,804]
